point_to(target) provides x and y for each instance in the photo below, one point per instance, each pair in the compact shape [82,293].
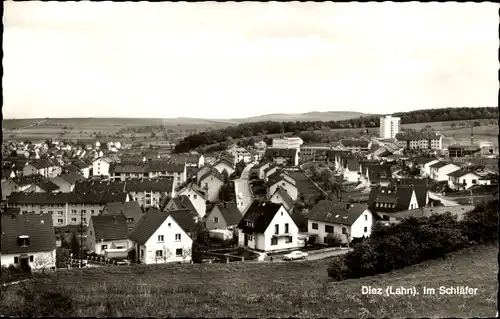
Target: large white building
[287,142]
[389,126]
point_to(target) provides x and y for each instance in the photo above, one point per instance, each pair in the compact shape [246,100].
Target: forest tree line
[246,130]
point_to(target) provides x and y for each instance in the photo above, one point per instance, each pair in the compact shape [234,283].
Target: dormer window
[24,241]
[249,223]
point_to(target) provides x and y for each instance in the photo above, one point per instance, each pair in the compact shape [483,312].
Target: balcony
[282,235]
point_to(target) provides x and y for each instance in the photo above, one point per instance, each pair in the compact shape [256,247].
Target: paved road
[444,200]
[317,256]
[241,186]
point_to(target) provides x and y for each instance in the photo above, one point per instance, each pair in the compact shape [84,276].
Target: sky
[234,60]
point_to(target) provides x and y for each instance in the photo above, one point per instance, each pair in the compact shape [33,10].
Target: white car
[294,255]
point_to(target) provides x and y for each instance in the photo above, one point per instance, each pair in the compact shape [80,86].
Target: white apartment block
[389,126]
[287,142]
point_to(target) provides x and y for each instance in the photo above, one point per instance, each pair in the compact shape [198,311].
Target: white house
[463,179]
[258,170]
[270,170]
[281,196]
[108,232]
[212,182]
[164,236]
[202,171]
[351,171]
[100,166]
[426,167]
[222,165]
[28,240]
[44,167]
[197,198]
[267,227]
[345,220]
[440,170]
[282,182]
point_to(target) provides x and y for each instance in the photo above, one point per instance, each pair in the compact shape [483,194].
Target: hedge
[414,240]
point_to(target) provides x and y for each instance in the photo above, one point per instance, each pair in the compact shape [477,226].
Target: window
[474,181]
[274,241]
[129,220]
[73,220]
[344,230]
[142,253]
[84,219]
[59,221]
[73,211]
[92,212]
[177,237]
[51,212]
[31,258]
[276,229]
[325,240]
[286,228]
[178,252]
[16,260]
[104,247]
[90,232]
[195,196]
[169,225]
[288,239]
[328,229]
[83,211]
[159,253]
[314,225]
[160,238]
[216,220]
[366,229]
[366,216]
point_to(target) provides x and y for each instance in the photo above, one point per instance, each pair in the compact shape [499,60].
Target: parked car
[123,262]
[294,255]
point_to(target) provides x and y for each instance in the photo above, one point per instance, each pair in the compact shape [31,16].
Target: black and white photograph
[250,159]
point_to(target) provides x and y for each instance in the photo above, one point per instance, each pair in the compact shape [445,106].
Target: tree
[201,241]
[186,253]
[225,174]
[75,245]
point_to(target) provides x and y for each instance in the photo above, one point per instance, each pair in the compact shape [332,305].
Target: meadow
[85,128]
[253,289]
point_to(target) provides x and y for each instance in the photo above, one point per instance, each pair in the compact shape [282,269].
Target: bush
[333,239]
[414,240]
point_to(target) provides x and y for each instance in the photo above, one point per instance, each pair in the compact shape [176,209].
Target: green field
[85,128]
[294,289]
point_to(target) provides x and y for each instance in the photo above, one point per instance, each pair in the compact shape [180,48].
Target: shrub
[333,239]
[337,269]
[414,240]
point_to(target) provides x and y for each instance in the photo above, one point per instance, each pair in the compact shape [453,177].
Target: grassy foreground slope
[296,289]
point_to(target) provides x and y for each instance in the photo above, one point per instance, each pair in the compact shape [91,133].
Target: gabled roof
[88,186]
[185,158]
[261,215]
[278,179]
[194,187]
[230,213]
[258,166]
[72,177]
[39,228]
[280,152]
[336,213]
[377,172]
[183,202]
[352,165]
[270,168]
[461,172]
[146,167]
[214,173]
[127,209]
[110,227]
[284,195]
[43,163]
[38,180]
[355,143]
[81,164]
[423,160]
[440,164]
[398,195]
[158,184]
[154,218]
[63,198]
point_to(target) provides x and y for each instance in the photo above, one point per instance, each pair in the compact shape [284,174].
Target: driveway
[241,186]
[444,200]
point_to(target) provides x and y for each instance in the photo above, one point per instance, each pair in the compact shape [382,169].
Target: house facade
[284,183]
[212,183]
[46,168]
[197,198]
[347,221]
[159,238]
[100,166]
[108,232]
[222,165]
[267,227]
[463,180]
[224,215]
[28,241]
[440,170]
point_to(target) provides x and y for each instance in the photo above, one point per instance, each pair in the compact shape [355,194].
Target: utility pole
[81,238]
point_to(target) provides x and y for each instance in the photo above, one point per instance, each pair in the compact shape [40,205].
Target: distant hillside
[302,117]
[258,126]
